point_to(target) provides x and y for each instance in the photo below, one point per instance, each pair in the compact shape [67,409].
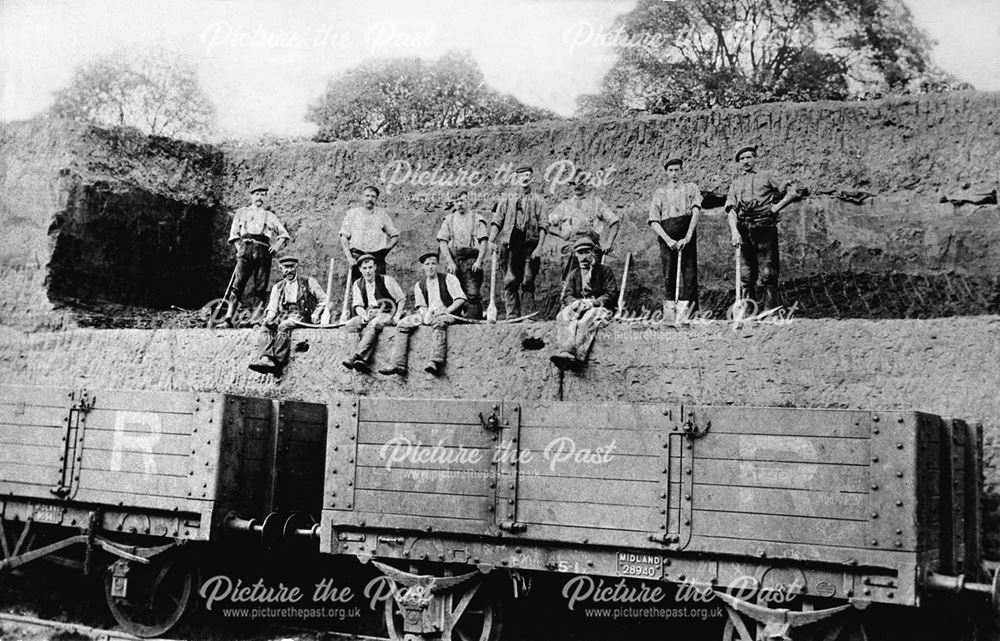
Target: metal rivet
[874,486]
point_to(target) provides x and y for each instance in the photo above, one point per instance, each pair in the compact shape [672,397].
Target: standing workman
[438,298]
[462,242]
[257,235]
[294,299]
[583,213]
[517,233]
[753,205]
[377,302]
[673,216]
[367,230]
[588,304]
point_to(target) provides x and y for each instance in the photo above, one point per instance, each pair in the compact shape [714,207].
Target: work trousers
[253,266]
[519,272]
[576,329]
[276,340]
[406,326]
[759,263]
[365,334]
[471,281]
[677,228]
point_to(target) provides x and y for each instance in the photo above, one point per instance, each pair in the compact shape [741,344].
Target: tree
[156,91]
[700,54]
[392,96]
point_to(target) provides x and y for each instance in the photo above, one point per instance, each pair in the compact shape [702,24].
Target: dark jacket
[603,287]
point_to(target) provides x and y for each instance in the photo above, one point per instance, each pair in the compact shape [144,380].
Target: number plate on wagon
[645,566]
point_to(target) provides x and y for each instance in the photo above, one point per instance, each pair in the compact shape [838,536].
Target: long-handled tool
[674,311]
[345,311]
[491,311]
[621,291]
[739,307]
[324,318]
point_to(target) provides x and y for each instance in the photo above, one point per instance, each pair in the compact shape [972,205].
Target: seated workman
[439,297]
[588,304]
[377,301]
[294,299]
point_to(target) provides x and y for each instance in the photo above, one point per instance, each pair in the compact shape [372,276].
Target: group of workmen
[513,238]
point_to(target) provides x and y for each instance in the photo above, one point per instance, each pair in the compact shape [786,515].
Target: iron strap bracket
[507,469]
[72,453]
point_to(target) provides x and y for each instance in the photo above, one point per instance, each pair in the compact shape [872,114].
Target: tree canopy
[387,97]
[700,54]
[155,91]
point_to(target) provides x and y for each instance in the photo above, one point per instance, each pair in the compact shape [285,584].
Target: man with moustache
[588,304]
[257,235]
[517,234]
[673,216]
[462,243]
[753,205]
[367,230]
[438,298]
[377,302]
[294,299]
[583,213]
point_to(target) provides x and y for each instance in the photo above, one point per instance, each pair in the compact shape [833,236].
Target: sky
[263,61]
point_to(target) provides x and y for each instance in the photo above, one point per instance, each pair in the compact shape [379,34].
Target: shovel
[491,311]
[739,306]
[675,311]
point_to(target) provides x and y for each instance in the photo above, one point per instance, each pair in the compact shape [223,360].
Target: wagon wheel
[159,595]
[481,619]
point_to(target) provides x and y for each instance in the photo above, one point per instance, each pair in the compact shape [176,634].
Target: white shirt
[434,293]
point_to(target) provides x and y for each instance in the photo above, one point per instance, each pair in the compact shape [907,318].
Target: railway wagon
[832,510]
[135,484]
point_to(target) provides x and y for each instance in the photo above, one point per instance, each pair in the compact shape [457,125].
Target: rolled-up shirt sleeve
[454,287]
[347,225]
[693,196]
[732,201]
[272,302]
[396,292]
[318,292]
[606,214]
[234,228]
[444,232]
[279,229]
[388,226]
[482,228]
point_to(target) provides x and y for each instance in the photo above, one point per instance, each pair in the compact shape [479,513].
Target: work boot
[434,367]
[563,360]
[361,366]
[263,365]
[393,370]
[348,363]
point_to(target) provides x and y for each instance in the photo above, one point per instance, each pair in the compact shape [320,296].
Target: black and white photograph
[500,320]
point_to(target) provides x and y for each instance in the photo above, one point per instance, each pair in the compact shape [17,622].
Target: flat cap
[674,161]
[428,254]
[288,259]
[752,148]
[583,242]
[257,186]
[364,258]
